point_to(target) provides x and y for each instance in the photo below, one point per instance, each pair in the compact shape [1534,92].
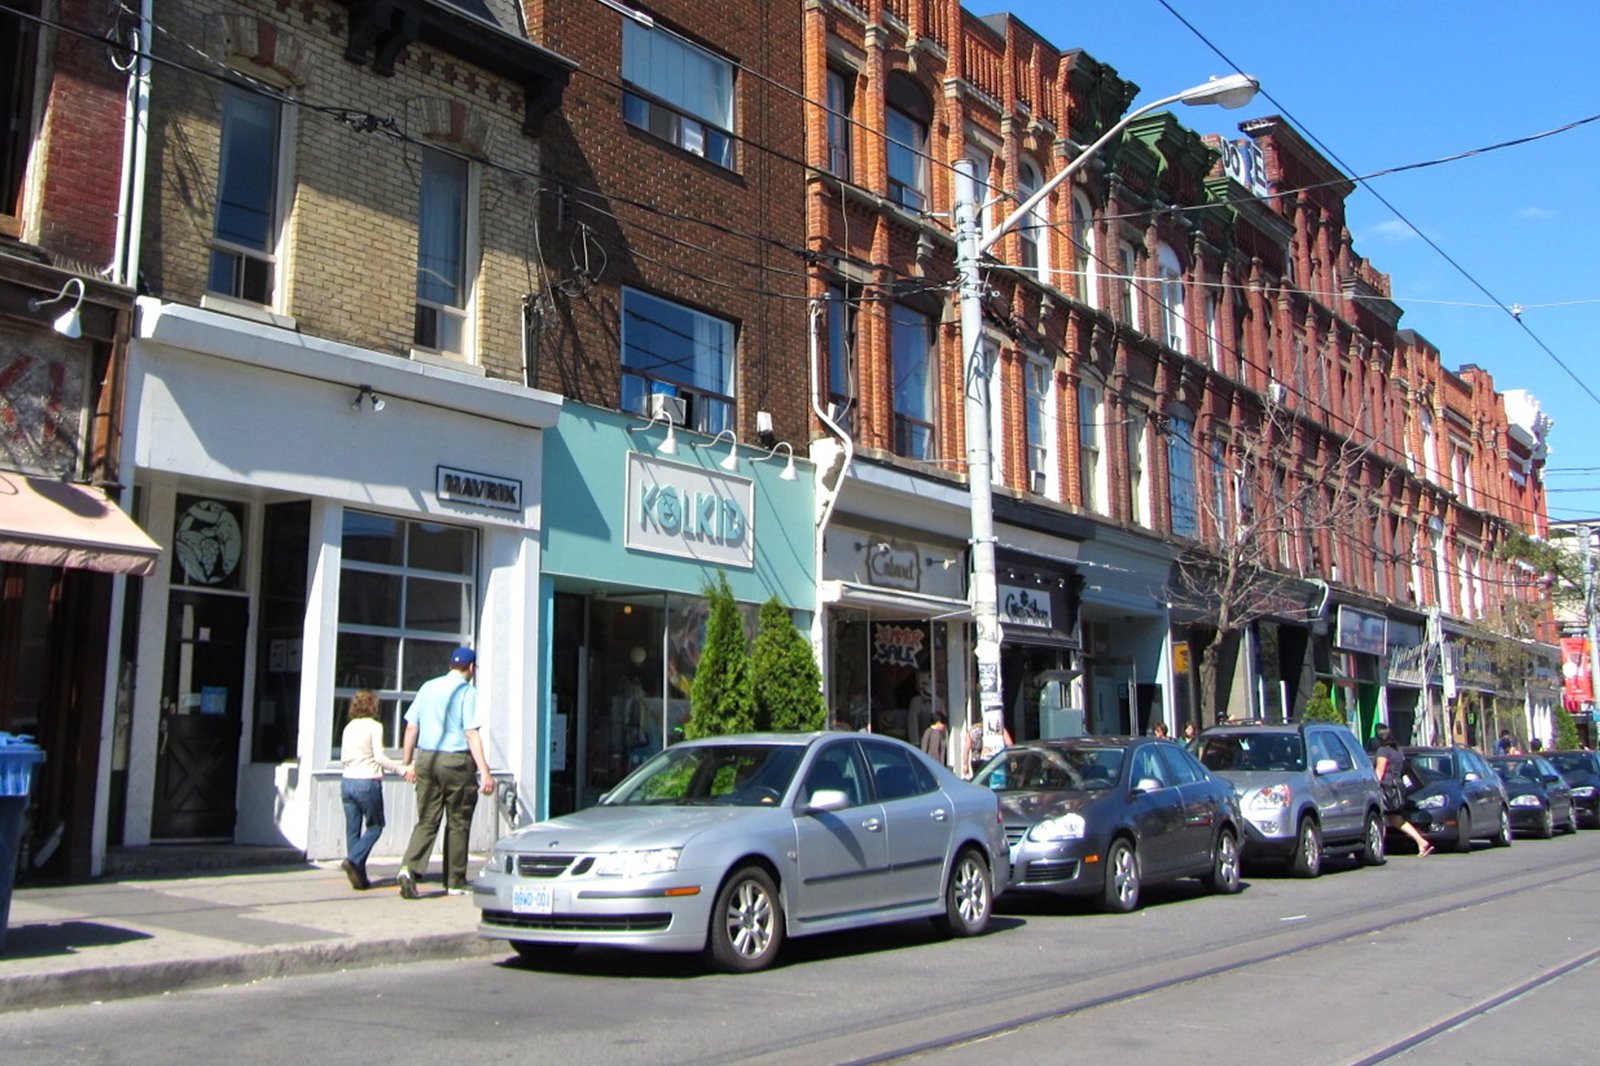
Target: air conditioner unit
[1041,482]
[668,408]
[1277,392]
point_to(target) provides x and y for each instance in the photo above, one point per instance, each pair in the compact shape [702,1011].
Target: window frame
[708,411]
[1033,230]
[908,423]
[907,138]
[1085,263]
[843,304]
[270,257]
[18,143]
[1039,424]
[1174,315]
[462,314]
[1092,478]
[649,105]
[1140,510]
[1182,507]
[840,106]
[1128,253]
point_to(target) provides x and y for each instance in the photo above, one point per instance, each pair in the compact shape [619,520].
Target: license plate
[533,899]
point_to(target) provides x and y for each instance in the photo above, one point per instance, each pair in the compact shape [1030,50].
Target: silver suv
[1306,789]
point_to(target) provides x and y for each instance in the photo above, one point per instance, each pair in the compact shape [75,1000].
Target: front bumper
[1268,835]
[1064,868]
[657,912]
[1435,825]
[1528,819]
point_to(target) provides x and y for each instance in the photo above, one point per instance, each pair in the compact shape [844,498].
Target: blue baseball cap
[463,657]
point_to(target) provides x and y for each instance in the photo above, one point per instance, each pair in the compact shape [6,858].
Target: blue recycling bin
[18,756]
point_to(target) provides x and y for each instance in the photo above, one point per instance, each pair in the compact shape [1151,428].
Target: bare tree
[1282,504]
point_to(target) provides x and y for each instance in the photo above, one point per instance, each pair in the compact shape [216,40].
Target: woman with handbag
[1389,764]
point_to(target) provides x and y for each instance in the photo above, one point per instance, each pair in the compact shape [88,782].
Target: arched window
[1034,226]
[907,121]
[1174,322]
[1180,472]
[1085,281]
[1092,445]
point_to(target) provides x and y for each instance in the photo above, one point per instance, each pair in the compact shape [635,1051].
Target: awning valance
[61,523]
[881,601]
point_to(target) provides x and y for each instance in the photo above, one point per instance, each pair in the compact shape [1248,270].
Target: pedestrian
[1190,735]
[1504,745]
[936,739]
[1390,765]
[1159,730]
[442,748]
[361,790]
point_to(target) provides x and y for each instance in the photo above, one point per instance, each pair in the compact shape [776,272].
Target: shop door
[197,761]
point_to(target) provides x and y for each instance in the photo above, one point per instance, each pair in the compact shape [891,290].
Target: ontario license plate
[533,899]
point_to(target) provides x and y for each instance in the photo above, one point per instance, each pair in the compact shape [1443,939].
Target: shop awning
[59,523]
[891,601]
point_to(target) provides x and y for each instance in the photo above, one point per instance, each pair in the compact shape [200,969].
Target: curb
[94,984]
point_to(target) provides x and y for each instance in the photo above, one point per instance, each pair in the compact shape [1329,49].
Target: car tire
[968,896]
[1502,836]
[1572,820]
[1463,840]
[1374,841]
[1121,892]
[1547,825]
[545,954]
[746,922]
[1223,877]
[1307,858]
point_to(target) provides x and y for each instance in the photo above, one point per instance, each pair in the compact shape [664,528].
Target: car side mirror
[1146,784]
[1326,766]
[1552,779]
[826,799]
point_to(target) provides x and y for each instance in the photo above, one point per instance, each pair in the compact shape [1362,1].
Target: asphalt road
[1487,957]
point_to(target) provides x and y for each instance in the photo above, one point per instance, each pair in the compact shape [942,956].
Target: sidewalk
[137,937]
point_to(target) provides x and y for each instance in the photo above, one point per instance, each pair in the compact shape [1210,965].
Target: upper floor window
[1128,309]
[1039,387]
[677,351]
[1091,447]
[1441,565]
[906,123]
[1430,454]
[1220,519]
[244,243]
[1214,332]
[1180,475]
[843,307]
[19,43]
[983,174]
[911,362]
[677,91]
[841,99]
[1084,280]
[1174,321]
[1033,229]
[443,277]
[1138,501]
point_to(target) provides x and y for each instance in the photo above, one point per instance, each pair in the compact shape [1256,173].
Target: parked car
[1306,789]
[1453,797]
[1104,816]
[1581,771]
[728,845]
[1540,799]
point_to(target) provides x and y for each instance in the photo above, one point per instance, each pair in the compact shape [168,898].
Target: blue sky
[1385,84]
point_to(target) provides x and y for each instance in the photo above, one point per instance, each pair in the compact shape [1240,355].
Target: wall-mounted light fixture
[729,462]
[787,473]
[669,443]
[68,323]
[365,397]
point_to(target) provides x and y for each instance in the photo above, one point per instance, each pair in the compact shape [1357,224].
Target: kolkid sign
[685,511]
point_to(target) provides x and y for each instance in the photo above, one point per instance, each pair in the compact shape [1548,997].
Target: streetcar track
[1025,1021]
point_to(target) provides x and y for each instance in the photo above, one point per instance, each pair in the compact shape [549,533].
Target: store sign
[1409,666]
[43,385]
[1577,685]
[690,513]
[894,564]
[479,490]
[1361,631]
[1025,607]
[898,645]
[1244,162]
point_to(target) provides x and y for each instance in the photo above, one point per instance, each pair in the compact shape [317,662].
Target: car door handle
[938,814]
[873,825]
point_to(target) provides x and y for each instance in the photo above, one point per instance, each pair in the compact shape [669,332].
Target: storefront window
[285,543]
[888,674]
[407,598]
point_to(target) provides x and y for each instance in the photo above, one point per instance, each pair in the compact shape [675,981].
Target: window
[911,361]
[678,92]
[895,772]
[1430,457]
[1033,229]
[1214,332]
[1138,500]
[843,306]
[407,599]
[983,174]
[244,242]
[280,624]
[1129,308]
[840,103]
[1174,320]
[1091,447]
[837,767]
[1441,565]
[20,64]
[1085,282]
[674,350]
[1180,475]
[1148,773]
[1039,387]
[1219,487]
[442,274]
[1325,745]
[906,121]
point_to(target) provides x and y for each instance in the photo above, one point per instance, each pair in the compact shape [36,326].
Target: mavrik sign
[479,490]
[685,511]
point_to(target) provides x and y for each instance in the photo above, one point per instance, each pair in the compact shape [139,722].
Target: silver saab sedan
[729,844]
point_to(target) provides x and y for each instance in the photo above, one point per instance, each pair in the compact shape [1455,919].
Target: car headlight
[500,862]
[1271,798]
[637,863]
[1431,803]
[1584,791]
[1062,827]
[1527,801]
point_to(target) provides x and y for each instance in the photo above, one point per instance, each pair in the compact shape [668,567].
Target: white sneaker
[458,891]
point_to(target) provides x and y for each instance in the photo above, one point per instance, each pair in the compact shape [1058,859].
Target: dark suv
[1306,790]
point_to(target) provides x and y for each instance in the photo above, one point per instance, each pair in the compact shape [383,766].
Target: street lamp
[1236,90]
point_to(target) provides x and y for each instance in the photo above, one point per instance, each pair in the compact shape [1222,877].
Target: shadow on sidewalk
[40,940]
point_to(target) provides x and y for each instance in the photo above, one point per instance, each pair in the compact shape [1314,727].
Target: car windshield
[1280,752]
[1517,770]
[1576,763]
[1433,765]
[1052,769]
[736,775]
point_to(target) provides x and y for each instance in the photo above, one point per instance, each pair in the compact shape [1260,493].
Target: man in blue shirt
[442,747]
